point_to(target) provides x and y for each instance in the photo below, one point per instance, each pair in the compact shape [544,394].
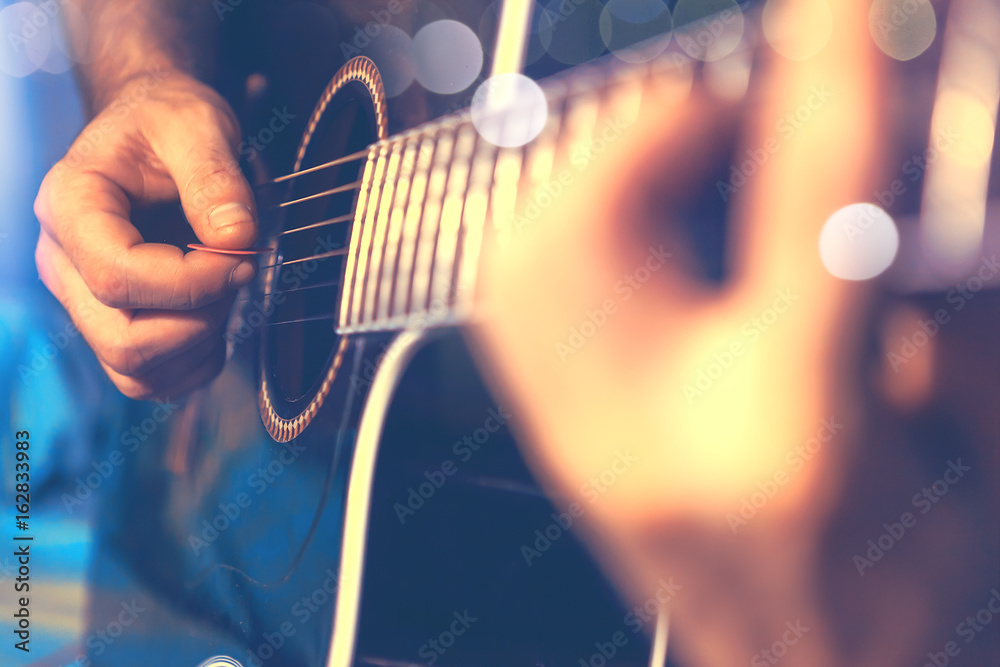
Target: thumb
[216,197]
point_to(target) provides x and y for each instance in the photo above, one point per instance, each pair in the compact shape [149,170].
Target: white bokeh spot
[447,56]
[509,110]
[858,242]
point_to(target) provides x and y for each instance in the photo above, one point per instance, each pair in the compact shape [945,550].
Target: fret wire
[473,225]
[365,247]
[442,278]
[412,222]
[504,192]
[390,273]
[540,153]
[350,274]
[576,137]
[430,219]
[630,86]
[372,282]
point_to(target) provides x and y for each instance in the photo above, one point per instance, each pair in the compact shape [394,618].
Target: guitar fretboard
[431,196]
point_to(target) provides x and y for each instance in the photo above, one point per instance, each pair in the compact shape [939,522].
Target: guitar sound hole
[305,291]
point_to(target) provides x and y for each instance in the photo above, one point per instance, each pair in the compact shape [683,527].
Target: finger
[195,368]
[216,197]
[87,214]
[130,343]
[816,119]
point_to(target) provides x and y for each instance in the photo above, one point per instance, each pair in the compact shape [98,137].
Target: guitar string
[316,225]
[325,255]
[325,193]
[331,283]
[314,318]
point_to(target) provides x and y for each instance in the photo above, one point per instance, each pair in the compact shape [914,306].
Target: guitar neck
[427,195]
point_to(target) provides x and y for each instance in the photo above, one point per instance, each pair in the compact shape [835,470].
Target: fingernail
[229,215]
[242,274]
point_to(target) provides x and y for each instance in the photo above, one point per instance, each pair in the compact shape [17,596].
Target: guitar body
[346,497]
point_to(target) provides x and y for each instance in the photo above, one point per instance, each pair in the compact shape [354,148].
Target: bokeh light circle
[708,29]
[509,110]
[858,242]
[392,52]
[903,29]
[636,31]
[447,56]
[27,38]
[797,29]
[575,35]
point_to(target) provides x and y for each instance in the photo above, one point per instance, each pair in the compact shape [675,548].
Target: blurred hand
[682,451]
[152,313]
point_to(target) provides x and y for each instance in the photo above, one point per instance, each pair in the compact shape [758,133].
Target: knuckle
[51,190]
[117,358]
[108,285]
[125,359]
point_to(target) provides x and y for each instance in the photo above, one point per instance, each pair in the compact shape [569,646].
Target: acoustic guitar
[340,536]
